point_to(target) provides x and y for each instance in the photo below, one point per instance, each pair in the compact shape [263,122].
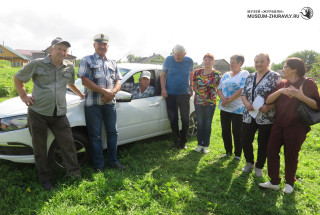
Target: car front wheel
[82,150]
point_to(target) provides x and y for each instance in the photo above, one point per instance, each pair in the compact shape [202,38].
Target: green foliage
[163,180]
[5,63]
[250,69]
[315,71]
[277,67]
[308,56]
[131,58]
[7,87]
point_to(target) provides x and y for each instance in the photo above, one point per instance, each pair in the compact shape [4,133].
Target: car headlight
[13,123]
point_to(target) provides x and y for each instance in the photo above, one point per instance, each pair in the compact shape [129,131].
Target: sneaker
[258,172]
[205,150]
[288,188]
[199,149]
[47,185]
[237,158]
[247,167]
[268,185]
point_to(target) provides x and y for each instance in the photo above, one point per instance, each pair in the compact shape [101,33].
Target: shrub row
[7,88]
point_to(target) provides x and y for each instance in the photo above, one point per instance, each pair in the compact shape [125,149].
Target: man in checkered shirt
[101,77]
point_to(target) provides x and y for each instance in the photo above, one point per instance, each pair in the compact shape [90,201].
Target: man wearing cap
[143,89]
[47,108]
[176,86]
[101,77]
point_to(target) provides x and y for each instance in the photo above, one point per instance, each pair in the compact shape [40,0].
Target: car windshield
[123,71]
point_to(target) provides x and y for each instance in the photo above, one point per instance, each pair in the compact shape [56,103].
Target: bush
[5,63]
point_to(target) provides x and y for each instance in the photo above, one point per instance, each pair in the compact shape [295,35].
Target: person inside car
[143,89]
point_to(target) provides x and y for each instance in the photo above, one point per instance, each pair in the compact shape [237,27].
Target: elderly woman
[231,106]
[287,129]
[257,86]
[205,83]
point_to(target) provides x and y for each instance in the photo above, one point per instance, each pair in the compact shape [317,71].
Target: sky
[145,27]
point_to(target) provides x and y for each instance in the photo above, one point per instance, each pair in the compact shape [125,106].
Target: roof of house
[146,59]
[28,52]
[16,53]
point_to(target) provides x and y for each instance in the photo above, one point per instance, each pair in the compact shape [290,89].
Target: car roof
[139,66]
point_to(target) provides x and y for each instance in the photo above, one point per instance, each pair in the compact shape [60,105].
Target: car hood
[15,107]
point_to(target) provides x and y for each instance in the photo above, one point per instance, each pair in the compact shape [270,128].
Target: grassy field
[162,180]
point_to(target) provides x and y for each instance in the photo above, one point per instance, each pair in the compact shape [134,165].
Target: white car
[136,119]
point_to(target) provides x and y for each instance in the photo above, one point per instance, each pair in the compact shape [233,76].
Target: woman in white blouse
[231,106]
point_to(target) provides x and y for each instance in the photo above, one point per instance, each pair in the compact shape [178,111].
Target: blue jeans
[95,115]
[204,121]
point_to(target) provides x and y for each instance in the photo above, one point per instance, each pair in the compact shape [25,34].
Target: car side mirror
[123,96]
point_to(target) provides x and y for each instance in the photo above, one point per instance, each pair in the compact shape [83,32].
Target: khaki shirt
[49,84]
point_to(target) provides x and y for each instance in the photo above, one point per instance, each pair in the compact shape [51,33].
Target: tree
[278,66]
[131,58]
[250,69]
[308,56]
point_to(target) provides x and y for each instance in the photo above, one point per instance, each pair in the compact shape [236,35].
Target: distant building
[35,54]
[29,53]
[154,59]
[220,64]
[16,59]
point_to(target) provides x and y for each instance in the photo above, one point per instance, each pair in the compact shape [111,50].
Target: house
[29,53]
[154,59]
[16,59]
[220,64]
[34,54]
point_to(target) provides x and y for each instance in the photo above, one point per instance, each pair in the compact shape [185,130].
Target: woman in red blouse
[205,83]
[287,129]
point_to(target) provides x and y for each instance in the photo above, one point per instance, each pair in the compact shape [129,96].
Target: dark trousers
[248,133]
[60,127]
[181,102]
[204,120]
[292,139]
[227,119]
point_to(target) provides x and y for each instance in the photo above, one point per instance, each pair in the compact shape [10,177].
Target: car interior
[128,85]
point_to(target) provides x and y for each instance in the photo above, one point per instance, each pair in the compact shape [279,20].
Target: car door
[138,119]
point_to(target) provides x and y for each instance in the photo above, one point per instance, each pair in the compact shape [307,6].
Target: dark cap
[59,40]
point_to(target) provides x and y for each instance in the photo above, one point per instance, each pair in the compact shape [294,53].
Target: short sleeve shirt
[206,87]
[103,73]
[229,86]
[136,92]
[178,75]
[263,88]
[49,84]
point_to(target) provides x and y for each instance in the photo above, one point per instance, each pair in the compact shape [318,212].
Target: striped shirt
[103,73]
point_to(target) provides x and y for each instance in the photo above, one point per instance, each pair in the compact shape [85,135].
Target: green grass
[162,180]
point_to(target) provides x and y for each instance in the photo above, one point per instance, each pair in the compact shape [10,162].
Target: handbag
[308,115]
